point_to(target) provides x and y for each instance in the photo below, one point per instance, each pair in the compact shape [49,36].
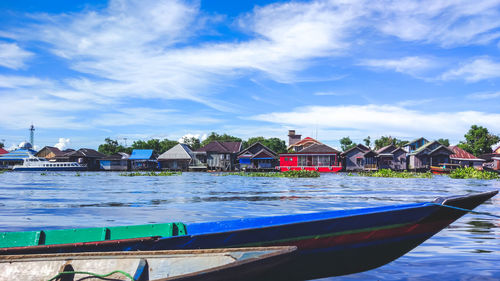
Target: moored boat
[211,264]
[444,168]
[41,164]
[329,243]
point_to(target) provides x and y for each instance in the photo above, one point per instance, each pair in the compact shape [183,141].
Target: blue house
[115,162]
[257,157]
[143,159]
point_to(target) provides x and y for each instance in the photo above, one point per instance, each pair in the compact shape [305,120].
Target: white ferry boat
[41,164]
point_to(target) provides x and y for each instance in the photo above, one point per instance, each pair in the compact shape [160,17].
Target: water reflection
[468,250]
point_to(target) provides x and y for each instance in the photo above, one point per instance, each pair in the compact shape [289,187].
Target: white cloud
[408,65]
[148,116]
[447,23]
[474,71]
[152,50]
[329,94]
[484,95]
[62,144]
[383,120]
[14,82]
[11,56]
[189,136]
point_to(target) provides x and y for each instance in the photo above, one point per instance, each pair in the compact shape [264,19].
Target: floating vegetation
[471,173]
[2,171]
[287,174]
[387,173]
[151,174]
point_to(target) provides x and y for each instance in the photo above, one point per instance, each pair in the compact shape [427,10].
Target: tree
[193,142]
[275,144]
[445,142]
[346,143]
[111,147]
[388,140]
[478,141]
[156,145]
[1,145]
[216,137]
[367,141]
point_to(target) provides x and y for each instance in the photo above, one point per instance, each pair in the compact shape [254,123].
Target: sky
[81,71]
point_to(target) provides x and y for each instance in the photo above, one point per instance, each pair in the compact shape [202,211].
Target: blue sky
[165,69]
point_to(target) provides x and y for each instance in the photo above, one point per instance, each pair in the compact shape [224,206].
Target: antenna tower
[32,135]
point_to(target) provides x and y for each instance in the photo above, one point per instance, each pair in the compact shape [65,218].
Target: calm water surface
[467,250]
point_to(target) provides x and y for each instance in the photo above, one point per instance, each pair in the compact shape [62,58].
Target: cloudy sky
[328,69]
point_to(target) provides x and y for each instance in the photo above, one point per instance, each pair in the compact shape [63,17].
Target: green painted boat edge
[95,234]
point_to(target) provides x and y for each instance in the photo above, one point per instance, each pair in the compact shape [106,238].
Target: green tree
[388,140]
[478,141]
[193,142]
[110,147]
[216,137]
[1,145]
[445,142]
[367,141]
[156,145]
[346,143]
[275,144]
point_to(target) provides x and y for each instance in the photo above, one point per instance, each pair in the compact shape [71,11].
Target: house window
[359,161]
[222,157]
[228,156]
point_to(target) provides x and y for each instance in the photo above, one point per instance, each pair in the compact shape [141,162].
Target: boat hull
[49,169]
[329,243]
[185,265]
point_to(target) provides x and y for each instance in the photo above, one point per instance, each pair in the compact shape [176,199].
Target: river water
[467,250]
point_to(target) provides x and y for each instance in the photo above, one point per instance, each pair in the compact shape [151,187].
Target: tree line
[111,146]
[478,141]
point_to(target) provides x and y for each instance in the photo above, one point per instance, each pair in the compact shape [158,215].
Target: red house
[309,154]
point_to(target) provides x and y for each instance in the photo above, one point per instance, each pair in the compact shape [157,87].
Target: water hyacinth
[151,174]
[287,174]
[387,173]
[471,173]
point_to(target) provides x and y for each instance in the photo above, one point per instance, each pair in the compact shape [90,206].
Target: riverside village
[225,153]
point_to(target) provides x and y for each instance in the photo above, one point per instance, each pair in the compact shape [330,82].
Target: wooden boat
[211,264]
[329,243]
[443,168]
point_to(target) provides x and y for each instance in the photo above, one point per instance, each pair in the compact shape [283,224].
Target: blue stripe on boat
[248,223]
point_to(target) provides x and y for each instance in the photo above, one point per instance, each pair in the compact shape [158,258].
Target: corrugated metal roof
[460,154]
[318,148]
[141,154]
[254,149]
[360,147]
[304,141]
[3,151]
[222,147]
[264,154]
[52,149]
[179,151]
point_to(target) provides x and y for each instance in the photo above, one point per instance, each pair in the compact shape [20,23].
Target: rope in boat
[92,274]
[467,210]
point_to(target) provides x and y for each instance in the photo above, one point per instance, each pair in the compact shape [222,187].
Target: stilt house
[257,157]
